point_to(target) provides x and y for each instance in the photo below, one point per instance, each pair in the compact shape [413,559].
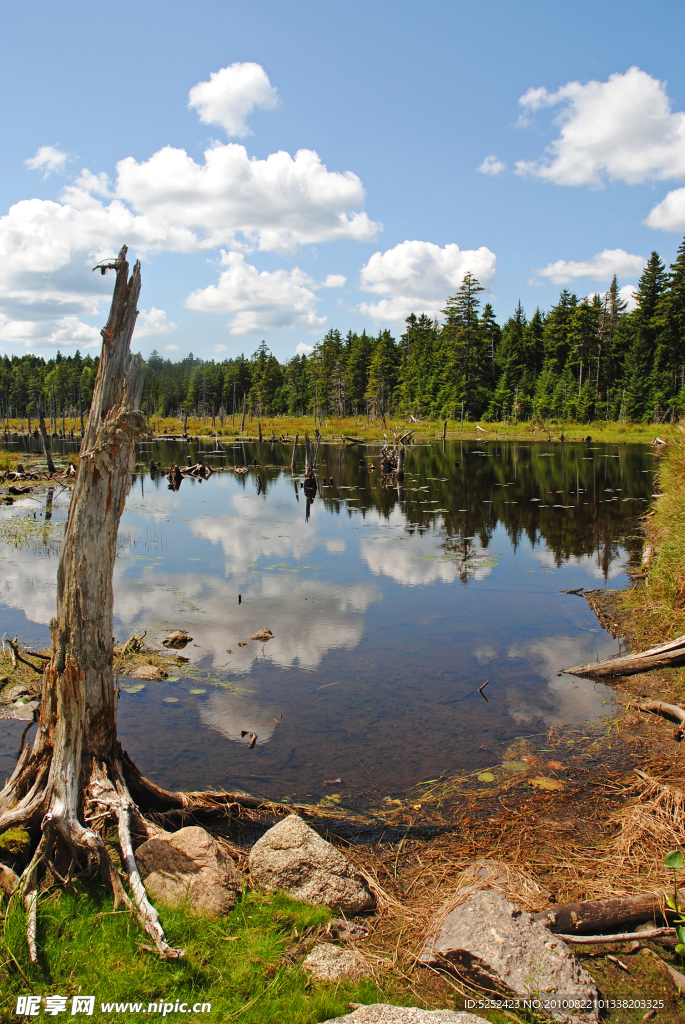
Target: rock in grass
[189,867]
[383,1013]
[502,950]
[331,963]
[151,672]
[293,858]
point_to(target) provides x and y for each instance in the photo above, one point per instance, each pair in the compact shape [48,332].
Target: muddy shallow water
[389,606]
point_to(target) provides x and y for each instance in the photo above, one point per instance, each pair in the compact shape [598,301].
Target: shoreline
[578,841]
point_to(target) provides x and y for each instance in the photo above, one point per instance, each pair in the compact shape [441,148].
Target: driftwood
[392,461]
[651,933]
[200,469]
[662,656]
[593,916]
[672,710]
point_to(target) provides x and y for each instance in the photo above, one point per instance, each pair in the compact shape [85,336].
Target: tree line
[584,359]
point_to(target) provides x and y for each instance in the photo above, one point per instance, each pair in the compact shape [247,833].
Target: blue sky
[284,168]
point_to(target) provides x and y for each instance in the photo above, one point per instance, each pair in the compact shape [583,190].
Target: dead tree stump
[76,781]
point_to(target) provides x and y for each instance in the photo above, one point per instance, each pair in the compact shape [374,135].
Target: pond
[390,607]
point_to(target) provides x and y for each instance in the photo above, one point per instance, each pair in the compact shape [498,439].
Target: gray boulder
[331,963]
[190,867]
[501,949]
[293,858]
[383,1013]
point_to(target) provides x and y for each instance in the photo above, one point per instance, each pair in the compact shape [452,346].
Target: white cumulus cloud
[154,321]
[171,348]
[303,349]
[231,94]
[260,301]
[669,214]
[622,130]
[334,281]
[418,277]
[170,202]
[600,267]
[231,199]
[491,165]
[54,332]
[47,159]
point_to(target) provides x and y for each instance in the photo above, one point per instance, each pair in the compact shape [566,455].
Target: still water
[390,606]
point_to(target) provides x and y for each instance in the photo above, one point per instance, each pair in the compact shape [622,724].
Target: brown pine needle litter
[652,823]
[623,831]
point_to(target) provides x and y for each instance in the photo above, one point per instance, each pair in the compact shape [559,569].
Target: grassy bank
[657,604]
[244,965]
[334,429]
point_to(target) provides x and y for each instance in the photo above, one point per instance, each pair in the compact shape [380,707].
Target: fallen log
[593,916]
[660,708]
[663,656]
[653,933]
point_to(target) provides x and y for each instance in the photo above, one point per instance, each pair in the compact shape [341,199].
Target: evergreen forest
[584,359]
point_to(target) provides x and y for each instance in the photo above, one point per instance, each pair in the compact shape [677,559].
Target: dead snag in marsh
[76,781]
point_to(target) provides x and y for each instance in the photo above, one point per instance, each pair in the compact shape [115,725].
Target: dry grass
[652,823]
[617,850]
[333,428]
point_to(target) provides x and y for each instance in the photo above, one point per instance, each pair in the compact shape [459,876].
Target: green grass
[86,948]
[658,607]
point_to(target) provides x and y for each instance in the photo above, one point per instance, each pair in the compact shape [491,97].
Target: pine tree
[358,352]
[464,352]
[668,375]
[557,329]
[380,390]
[640,359]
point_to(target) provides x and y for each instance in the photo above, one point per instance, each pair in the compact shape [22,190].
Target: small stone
[190,867]
[150,672]
[178,639]
[293,858]
[339,928]
[383,1013]
[331,963]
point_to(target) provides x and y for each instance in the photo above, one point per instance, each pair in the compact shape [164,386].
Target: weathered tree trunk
[293,457]
[45,440]
[308,458]
[76,781]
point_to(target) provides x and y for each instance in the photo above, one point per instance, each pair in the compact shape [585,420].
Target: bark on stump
[76,782]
